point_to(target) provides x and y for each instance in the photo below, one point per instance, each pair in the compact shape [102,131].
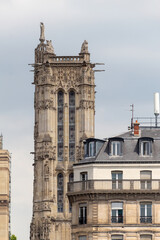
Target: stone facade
[115,194]
[64,116]
[4,193]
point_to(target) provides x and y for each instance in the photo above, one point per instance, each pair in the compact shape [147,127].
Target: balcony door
[117,180]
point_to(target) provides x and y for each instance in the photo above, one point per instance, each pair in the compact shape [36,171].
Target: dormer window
[115,146]
[145,146]
[92,146]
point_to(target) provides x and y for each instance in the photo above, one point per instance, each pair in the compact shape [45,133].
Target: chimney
[136,128]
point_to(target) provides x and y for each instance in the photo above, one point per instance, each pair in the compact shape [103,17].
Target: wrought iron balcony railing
[114,185]
[146,219]
[117,219]
[82,220]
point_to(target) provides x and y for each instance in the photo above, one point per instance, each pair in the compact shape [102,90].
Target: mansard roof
[130,148]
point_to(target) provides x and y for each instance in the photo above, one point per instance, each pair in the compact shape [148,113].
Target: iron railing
[117,219]
[112,185]
[146,219]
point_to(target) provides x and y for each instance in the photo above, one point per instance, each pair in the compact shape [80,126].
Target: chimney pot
[136,128]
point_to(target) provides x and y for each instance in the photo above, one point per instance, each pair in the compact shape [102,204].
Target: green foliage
[13,237]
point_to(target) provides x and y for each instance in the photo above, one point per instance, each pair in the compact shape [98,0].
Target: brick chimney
[136,128]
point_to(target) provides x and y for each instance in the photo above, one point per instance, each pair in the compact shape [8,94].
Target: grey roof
[130,150]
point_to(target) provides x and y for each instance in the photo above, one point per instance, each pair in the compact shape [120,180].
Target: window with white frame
[117,212]
[146,148]
[117,180]
[146,177]
[83,213]
[146,212]
[116,148]
[117,237]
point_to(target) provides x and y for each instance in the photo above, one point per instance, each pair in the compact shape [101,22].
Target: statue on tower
[49,47]
[84,48]
[42,37]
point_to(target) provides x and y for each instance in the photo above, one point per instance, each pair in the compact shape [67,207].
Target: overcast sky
[123,34]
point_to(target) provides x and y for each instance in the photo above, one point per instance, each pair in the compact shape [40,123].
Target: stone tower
[64,103]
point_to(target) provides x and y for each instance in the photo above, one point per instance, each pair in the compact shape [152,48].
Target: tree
[13,237]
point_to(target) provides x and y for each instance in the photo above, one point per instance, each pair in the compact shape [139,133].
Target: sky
[123,34]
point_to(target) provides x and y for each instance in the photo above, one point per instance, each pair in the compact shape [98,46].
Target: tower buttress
[64,106]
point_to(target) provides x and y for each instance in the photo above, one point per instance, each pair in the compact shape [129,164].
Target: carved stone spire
[42,37]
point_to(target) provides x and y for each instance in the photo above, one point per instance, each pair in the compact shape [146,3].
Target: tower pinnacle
[42,37]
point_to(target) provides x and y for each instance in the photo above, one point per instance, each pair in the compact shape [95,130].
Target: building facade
[64,116]
[115,194]
[4,193]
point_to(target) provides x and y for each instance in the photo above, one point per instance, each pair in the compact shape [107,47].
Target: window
[145,237]
[82,237]
[83,213]
[72,126]
[117,212]
[84,178]
[146,148]
[117,180]
[146,177]
[60,125]
[116,148]
[71,177]
[146,212]
[60,192]
[92,147]
[117,237]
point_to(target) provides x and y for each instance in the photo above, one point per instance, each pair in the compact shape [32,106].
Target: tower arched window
[71,125]
[71,178]
[60,192]
[60,125]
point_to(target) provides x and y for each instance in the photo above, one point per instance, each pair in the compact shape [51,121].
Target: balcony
[114,186]
[82,220]
[117,219]
[146,219]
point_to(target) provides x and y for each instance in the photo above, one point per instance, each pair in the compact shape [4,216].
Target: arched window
[60,125]
[60,192]
[72,126]
[71,178]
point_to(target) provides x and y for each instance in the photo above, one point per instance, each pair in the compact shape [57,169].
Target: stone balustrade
[114,185]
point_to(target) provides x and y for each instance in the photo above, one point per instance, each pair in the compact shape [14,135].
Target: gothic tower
[64,116]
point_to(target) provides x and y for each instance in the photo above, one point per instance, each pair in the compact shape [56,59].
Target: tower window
[71,177]
[60,192]
[72,126]
[60,125]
